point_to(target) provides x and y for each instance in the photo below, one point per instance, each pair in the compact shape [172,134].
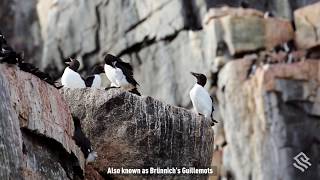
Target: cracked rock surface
[131,131]
[35,130]
[277,111]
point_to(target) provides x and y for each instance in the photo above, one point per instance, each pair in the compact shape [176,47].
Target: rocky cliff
[126,130]
[36,130]
[278,114]
[263,71]
[129,131]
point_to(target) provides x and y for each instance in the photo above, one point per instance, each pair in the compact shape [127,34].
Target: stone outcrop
[36,130]
[269,118]
[132,131]
[19,23]
[267,99]
[126,131]
[306,20]
[245,30]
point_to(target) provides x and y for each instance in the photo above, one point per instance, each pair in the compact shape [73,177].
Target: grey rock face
[131,131]
[275,111]
[88,29]
[36,130]
[306,20]
[20,25]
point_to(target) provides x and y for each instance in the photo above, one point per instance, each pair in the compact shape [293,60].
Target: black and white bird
[70,77]
[120,74]
[7,54]
[83,142]
[94,80]
[268,14]
[10,56]
[201,100]
[244,4]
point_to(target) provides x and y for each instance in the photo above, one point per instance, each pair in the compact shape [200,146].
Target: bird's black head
[110,59]
[97,69]
[2,39]
[73,64]
[201,79]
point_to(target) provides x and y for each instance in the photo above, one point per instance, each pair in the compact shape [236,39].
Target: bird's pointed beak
[68,61]
[194,74]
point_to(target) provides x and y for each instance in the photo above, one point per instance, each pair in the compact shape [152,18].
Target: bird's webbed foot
[111,87]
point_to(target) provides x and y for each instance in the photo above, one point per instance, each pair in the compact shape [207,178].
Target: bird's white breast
[201,100]
[71,79]
[96,81]
[116,76]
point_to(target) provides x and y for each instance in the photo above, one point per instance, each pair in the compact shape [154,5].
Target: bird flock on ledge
[119,73]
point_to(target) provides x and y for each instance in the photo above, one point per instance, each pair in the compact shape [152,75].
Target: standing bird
[94,80]
[7,54]
[83,142]
[244,4]
[120,74]
[70,77]
[201,100]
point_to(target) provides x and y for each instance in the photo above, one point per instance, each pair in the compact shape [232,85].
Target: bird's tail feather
[135,91]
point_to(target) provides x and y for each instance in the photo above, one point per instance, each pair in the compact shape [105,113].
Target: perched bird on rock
[268,14]
[94,80]
[7,54]
[70,77]
[30,68]
[244,4]
[83,142]
[201,100]
[120,74]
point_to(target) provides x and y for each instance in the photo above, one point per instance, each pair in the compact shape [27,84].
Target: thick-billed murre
[70,77]
[83,142]
[201,100]
[10,56]
[7,54]
[94,80]
[120,74]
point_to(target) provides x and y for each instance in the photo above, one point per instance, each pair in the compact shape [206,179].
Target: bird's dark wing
[127,70]
[82,141]
[213,120]
[80,138]
[88,81]
[8,55]
[125,64]
[212,103]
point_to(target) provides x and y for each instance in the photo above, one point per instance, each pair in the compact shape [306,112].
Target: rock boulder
[270,118]
[308,27]
[36,130]
[131,131]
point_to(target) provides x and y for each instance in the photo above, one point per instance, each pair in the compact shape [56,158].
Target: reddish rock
[37,127]
[92,174]
[307,24]
[269,118]
[245,30]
